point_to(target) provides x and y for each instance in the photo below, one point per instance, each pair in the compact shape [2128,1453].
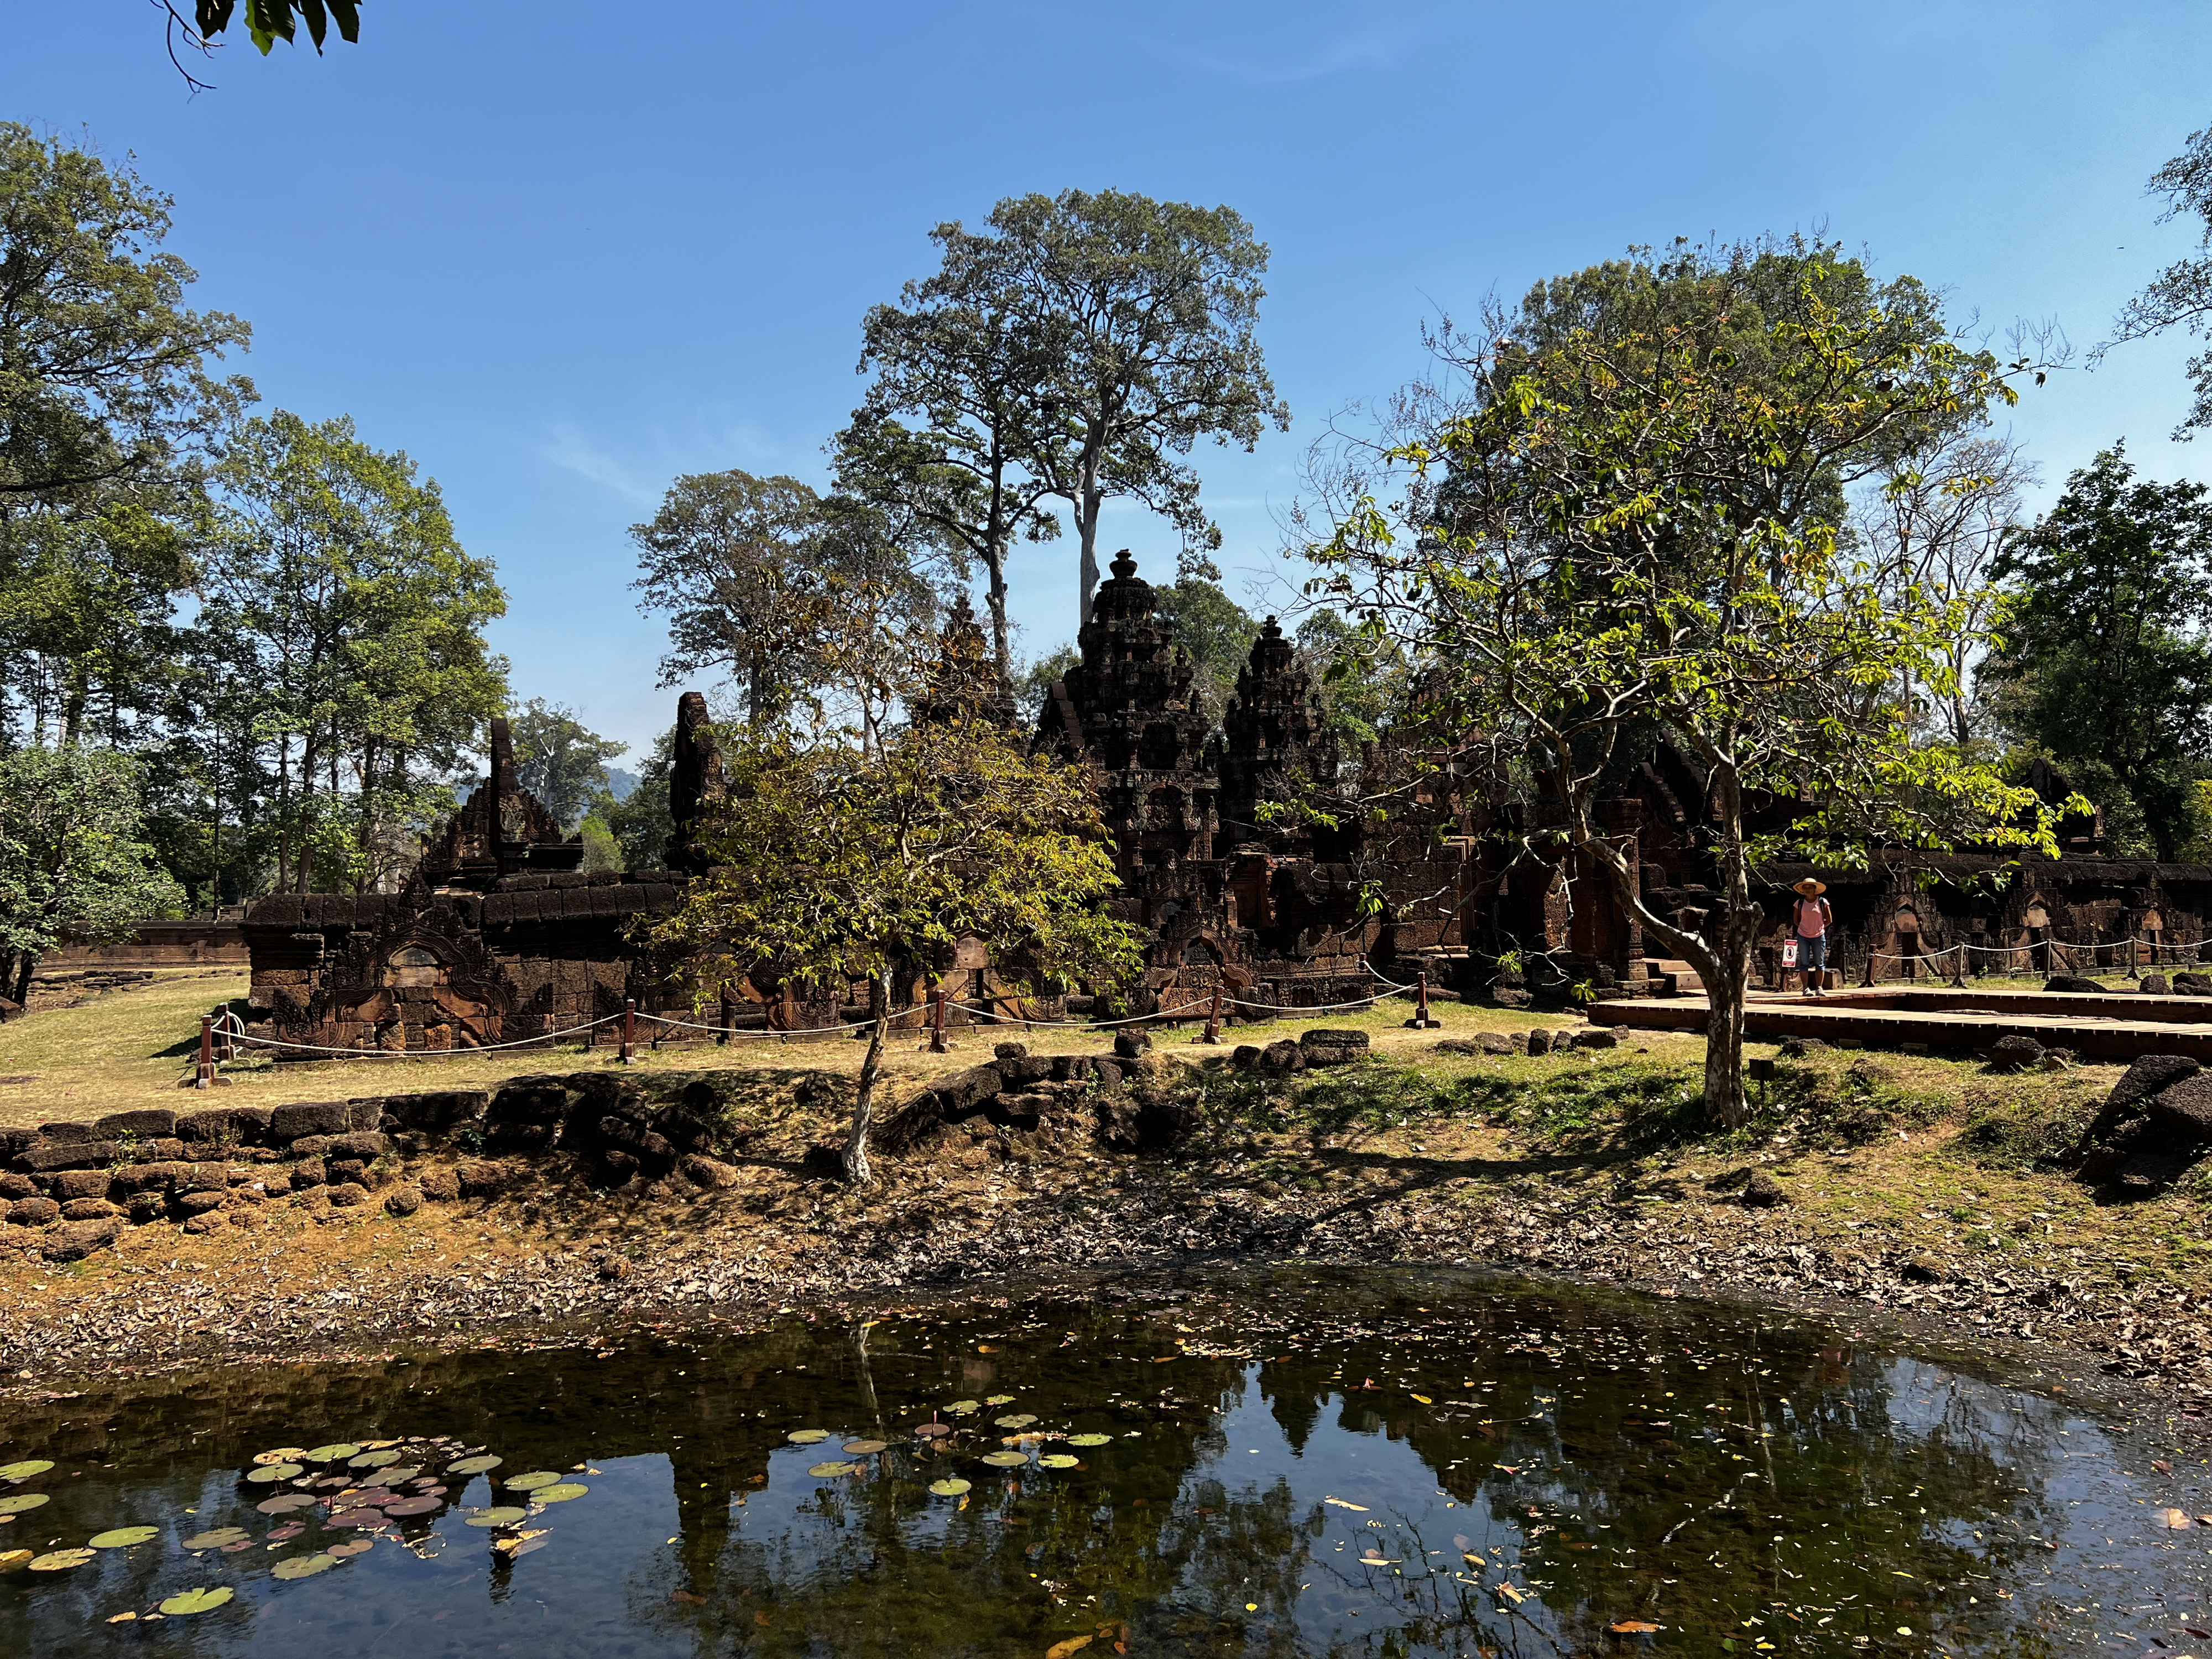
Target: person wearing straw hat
[1810,917]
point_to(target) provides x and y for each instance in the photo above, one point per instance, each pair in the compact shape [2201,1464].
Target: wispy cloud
[1372,49]
[569,449]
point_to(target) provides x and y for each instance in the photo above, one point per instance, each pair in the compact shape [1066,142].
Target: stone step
[1675,978]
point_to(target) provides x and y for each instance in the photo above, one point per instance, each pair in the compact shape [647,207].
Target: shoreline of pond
[113,1319]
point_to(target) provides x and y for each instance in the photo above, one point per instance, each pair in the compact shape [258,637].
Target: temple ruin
[1243,884]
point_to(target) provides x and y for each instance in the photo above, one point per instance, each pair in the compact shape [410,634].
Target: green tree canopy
[836,860]
[72,863]
[104,375]
[1636,522]
[791,597]
[1215,633]
[341,637]
[958,358]
[559,759]
[2106,664]
[1136,322]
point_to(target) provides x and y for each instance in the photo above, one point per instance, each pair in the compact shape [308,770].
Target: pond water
[1376,1463]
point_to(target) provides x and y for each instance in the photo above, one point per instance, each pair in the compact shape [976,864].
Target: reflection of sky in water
[1579,1461]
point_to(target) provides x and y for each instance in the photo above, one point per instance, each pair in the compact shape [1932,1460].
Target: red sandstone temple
[501,938]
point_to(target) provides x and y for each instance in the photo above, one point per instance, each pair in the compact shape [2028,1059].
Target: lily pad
[285,1502]
[932,1430]
[20,1501]
[504,1516]
[998,1400]
[396,1477]
[285,1534]
[373,1459]
[215,1538]
[1089,1439]
[377,1445]
[1058,1461]
[356,1518]
[281,1454]
[15,1560]
[122,1538]
[26,1469]
[823,1471]
[1016,1420]
[531,1481]
[61,1560]
[410,1506]
[304,1566]
[474,1464]
[865,1448]
[524,1547]
[561,1493]
[353,1547]
[1005,1459]
[962,1407]
[270,1473]
[808,1436]
[206,1599]
[949,1488]
[335,1452]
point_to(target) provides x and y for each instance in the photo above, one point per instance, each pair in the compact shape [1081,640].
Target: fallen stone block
[73,1240]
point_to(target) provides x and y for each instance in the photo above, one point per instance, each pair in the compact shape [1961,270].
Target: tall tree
[1140,319]
[2107,659]
[1938,525]
[788,594]
[337,583]
[87,595]
[2181,296]
[73,866]
[729,558]
[957,355]
[835,861]
[1636,523]
[104,375]
[1215,633]
[559,759]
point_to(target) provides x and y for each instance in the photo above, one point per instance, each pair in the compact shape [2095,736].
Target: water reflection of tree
[1151,1534]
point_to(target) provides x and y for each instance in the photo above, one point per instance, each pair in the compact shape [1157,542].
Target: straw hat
[1810,888]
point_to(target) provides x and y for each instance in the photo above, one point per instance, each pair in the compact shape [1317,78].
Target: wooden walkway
[2115,1026]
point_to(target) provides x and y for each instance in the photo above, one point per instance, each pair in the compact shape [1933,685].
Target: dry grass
[132,1048]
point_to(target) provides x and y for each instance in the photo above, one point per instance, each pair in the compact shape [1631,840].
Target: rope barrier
[243,1035]
[232,1027]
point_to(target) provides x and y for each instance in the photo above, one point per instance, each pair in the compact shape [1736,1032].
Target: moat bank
[1910,1190]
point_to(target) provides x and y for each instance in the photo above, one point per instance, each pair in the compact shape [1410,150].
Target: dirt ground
[1917,1188]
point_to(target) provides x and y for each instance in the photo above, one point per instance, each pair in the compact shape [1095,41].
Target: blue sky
[561,253]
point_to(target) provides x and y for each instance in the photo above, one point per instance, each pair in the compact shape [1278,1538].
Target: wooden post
[1959,965]
[729,1023]
[1421,1021]
[937,1021]
[629,1029]
[1214,1018]
[1868,980]
[206,1078]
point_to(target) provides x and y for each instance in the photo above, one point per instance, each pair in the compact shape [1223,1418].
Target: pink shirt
[1812,918]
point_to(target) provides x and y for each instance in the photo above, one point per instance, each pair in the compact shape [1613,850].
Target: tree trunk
[857,1173]
[26,965]
[994,561]
[1725,1101]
